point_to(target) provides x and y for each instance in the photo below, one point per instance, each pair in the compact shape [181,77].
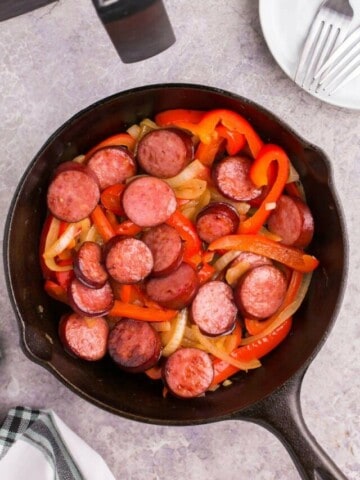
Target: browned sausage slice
[260,291]
[231,175]
[213,309]
[292,221]
[84,337]
[165,152]
[216,220]
[148,201]
[73,194]
[91,302]
[128,260]
[166,247]
[88,266]
[134,345]
[188,372]
[112,165]
[176,290]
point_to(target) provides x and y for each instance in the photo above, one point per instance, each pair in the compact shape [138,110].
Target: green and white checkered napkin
[36,444]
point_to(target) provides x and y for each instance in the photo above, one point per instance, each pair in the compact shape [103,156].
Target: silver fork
[342,65]
[328,29]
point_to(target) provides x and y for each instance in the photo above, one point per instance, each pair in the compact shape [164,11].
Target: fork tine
[343,66]
[344,74]
[353,74]
[307,53]
[341,51]
[327,31]
[330,37]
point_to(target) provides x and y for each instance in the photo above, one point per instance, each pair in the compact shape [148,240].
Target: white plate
[284,24]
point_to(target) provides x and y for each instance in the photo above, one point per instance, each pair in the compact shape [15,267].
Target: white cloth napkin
[37,445]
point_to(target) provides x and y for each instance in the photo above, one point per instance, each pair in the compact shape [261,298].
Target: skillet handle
[281,414]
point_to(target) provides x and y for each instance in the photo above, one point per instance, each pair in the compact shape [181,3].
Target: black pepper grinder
[139,29]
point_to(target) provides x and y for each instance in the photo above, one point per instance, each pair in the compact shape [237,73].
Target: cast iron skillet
[268,396]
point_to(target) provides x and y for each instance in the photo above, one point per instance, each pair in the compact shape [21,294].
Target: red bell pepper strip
[126,293]
[64,278]
[235,141]
[206,152]
[232,121]
[254,327]
[155,373]
[131,310]
[122,139]
[55,291]
[205,273]
[111,198]
[171,117]
[187,232]
[259,174]
[293,190]
[102,224]
[290,256]
[255,350]
[127,227]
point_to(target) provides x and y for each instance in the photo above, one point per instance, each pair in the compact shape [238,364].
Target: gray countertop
[57,60]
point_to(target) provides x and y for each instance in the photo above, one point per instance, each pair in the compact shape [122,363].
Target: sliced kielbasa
[188,372]
[134,345]
[232,178]
[213,309]
[128,260]
[292,221]
[112,165]
[88,266]
[148,201]
[260,291]
[166,152]
[91,302]
[84,337]
[73,193]
[216,220]
[166,247]
[175,290]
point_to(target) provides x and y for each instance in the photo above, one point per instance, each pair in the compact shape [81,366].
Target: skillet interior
[134,396]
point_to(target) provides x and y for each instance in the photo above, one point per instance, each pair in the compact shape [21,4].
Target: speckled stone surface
[57,60]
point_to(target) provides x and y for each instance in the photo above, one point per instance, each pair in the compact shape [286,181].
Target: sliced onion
[53,266]
[266,233]
[241,207]
[93,235]
[52,234]
[225,259]
[192,189]
[231,342]
[222,355]
[234,273]
[149,124]
[161,326]
[85,226]
[293,174]
[177,334]
[51,238]
[270,206]
[284,314]
[193,170]
[191,209]
[71,231]
[79,159]
[134,131]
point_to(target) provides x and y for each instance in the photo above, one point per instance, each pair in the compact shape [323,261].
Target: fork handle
[281,414]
